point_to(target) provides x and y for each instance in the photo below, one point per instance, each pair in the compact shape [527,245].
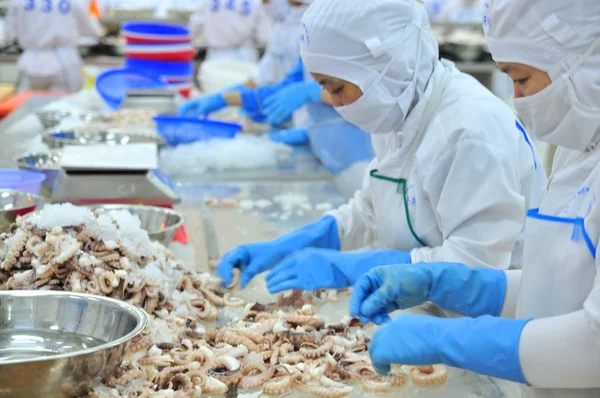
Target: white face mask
[376,111]
[556,116]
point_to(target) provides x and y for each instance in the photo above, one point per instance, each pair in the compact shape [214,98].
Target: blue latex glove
[293,137]
[485,345]
[202,106]
[280,105]
[255,258]
[455,287]
[313,269]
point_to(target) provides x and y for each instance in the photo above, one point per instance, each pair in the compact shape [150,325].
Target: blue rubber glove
[451,286]
[255,258]
[202,106]
[293,137]
[281,105]
[313,269]
[485,345]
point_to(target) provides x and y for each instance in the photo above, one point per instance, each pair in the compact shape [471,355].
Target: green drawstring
[401,186]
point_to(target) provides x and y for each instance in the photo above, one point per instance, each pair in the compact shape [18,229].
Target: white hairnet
[358,40]
[549,35]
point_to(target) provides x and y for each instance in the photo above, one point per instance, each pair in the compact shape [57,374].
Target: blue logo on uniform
[487,22]
[304,38]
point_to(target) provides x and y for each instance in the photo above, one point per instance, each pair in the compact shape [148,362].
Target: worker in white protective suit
[454,173]
[232,29]
[47,31]
[540,326]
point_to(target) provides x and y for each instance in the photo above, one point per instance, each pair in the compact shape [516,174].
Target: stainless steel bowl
[160,223]
[50,119]
[58,344]
[16,203]
[115,136]
[46,163]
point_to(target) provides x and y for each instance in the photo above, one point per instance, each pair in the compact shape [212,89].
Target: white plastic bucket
[217,75]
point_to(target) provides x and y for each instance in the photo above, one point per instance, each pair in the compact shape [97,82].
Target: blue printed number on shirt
[46,6]
[245,9]
[64,6]
[29,5]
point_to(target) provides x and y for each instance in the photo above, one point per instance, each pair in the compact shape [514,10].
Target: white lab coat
[47,31]
[559,286]
[473,178]
[232,29]
[283,50]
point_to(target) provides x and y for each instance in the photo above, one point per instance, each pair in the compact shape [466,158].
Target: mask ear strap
[584,57]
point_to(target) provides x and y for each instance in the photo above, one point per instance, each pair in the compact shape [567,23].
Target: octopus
[14,246]
[276,347]
[431,375]
[279,384]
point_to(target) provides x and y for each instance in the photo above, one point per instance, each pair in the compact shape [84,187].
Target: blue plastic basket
[155,29]
[184,130]
[113,84]
[20,180]
[161,68]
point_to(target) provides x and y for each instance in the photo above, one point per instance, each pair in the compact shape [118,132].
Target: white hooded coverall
[474,175]
[47,30]
[559,287]
[231,28]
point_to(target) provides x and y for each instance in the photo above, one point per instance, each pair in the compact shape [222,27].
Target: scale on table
[161,101]
[113,174]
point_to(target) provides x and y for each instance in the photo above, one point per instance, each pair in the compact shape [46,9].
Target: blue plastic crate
[184,130]
[113,84]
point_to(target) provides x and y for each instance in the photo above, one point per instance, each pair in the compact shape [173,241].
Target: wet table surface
[277,208]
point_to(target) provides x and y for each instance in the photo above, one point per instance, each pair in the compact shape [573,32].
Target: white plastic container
[217,75]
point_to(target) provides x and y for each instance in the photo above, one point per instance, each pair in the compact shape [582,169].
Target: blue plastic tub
[161,68]
[151,31]
[113,84]
[21,180]
[184,130]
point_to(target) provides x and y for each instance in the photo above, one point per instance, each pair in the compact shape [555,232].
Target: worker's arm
[356,219]
[10,24]
[197,20]
[87,25]
[262,32]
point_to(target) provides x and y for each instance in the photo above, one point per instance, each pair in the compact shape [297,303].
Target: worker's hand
[256,258]
[280,106]
[293,137]
[455,287]
[407,340]
[202,106]
[252,259]
[312,269]
[485,345]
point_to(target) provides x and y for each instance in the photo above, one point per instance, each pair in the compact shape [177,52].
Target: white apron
[394,204]
[559,265]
